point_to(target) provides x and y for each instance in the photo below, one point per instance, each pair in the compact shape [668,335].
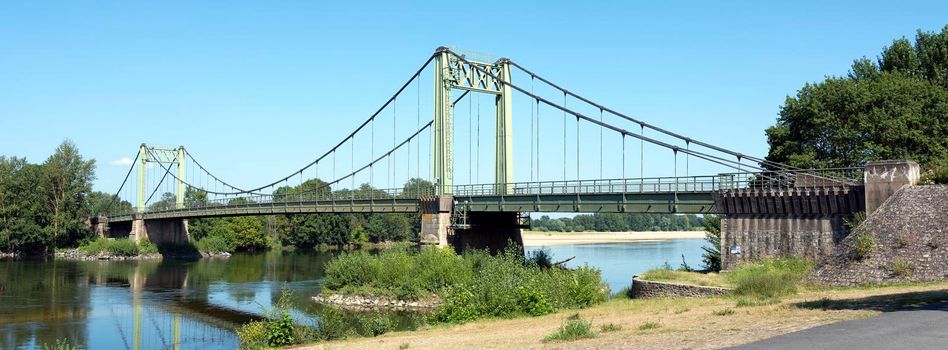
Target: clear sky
[258,89]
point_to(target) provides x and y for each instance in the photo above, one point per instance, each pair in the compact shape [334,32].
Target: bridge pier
[492,231]
[158,231]
[807,220]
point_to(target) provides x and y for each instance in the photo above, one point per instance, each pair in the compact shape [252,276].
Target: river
[196,305]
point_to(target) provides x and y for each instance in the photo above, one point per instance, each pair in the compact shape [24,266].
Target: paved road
[922,328]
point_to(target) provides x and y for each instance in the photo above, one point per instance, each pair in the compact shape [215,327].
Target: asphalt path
[922,328]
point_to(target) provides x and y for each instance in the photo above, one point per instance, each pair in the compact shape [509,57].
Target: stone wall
[749,237]
[653,289]
[910,234]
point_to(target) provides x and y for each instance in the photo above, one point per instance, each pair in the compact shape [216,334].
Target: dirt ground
[686,323]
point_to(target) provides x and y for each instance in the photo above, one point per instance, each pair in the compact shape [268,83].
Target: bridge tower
[160,156]
[451,73]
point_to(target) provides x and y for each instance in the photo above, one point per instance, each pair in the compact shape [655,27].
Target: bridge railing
[785,180]
[637,185]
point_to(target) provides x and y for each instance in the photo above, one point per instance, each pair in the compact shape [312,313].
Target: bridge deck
[696,202]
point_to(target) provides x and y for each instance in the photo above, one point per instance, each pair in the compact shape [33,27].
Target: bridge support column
[159,231]
[102,226]
[139,231]
[436,220]
[493,231]
[883,178]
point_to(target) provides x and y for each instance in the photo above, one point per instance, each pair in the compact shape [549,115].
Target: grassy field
[681,323]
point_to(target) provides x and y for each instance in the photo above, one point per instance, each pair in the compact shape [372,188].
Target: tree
[712,252]
[895,107]
[68,180]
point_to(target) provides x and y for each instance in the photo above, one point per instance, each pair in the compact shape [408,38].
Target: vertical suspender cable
[577,149]
[532,79]
[417,124]
[538,137]
[372,154]
[470,141]
[394,139]
[600,144]
[642,155]
[564,136]
[478,152]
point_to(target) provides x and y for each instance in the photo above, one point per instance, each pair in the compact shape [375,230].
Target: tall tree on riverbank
[68,183]
[894,107]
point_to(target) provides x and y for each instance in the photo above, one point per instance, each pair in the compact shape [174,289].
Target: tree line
[612,222]
[892,107]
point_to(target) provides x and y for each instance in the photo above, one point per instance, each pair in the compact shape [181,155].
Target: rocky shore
[367,303]
[79,255]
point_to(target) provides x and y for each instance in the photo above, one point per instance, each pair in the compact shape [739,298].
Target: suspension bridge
[419,149]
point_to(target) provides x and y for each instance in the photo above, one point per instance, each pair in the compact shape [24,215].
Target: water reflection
[197,305]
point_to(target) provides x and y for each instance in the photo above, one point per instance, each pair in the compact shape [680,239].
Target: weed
[404,346]
[681,310]
[572,329]
[724,312]
[610,327]
[769,278]
[751,301]
[649,325]
[865,244]
[856,221]
[902,267]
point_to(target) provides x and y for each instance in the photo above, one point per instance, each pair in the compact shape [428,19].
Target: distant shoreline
[538,239]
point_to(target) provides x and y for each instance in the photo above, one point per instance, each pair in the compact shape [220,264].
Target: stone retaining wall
[642,289]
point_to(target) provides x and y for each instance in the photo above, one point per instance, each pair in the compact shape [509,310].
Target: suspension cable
[127,175]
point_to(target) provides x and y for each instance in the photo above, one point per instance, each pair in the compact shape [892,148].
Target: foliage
[902,267]
[856,221]
[253,335]
[865,243]
[894,107]
[333,325]
[540,257]
[572,329]
[119,247]
[43,206]
[471,286]
[769,278]
[612,222]
[61,344]
[371,326]
[277,329]
[213,244]
[711,257]
[936,172]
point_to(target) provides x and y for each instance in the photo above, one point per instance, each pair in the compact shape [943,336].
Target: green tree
[67,179]
[712,252]
[895,107]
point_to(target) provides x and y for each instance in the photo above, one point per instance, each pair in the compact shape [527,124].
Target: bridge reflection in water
[147,304]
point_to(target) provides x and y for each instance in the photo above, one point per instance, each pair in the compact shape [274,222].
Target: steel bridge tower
[450,72]
[160,156]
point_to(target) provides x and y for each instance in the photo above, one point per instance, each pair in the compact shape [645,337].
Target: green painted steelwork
[179,189]
[140,203]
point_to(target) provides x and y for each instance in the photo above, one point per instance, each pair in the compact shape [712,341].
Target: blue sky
[258,89]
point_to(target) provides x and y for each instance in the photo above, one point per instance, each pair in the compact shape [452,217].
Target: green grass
[865,244]
[724,312]
[119,247]
[610,327]
[573,328]
[769,278]
[665,274]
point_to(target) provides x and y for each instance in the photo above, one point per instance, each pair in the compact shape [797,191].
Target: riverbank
[538,239]
[682,323]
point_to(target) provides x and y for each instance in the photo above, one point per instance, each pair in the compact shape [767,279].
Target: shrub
[649,325]
[213,244]
[903,268]
[147,247]
[724,312]
[769,278]
[333,325]
[253,335]
[540,257]
[371,326]
[572,329]
[121,247]
[531,300]
[856,221]
[865,244]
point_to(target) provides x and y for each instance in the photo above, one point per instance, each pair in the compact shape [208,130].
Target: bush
[769,278]
[572,329]
[540,257]
[865,244]
[253,335]
[371,326]
[724,312]
[902,267]
[471,286]
[213,244]
[120,247]
[333,325]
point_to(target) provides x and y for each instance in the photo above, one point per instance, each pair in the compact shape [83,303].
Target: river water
[197,305]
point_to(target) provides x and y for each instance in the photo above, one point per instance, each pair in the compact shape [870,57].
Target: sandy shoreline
[536,239]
